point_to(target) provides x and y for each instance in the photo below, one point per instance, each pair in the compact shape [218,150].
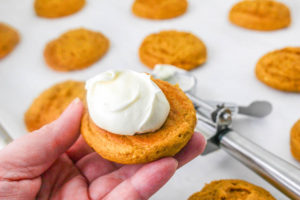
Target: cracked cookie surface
[57,8]
[76,49]
[280,69]
[52,102]
[157,9]
[264,15]
[231,190]
[181,49]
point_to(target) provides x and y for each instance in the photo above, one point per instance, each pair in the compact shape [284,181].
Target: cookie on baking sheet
[52,102]
[280,69]
[57,8]
[231,190]
[182,49]
[295,140]
[158,9]
[75,49]
[147,147]
[9,38]
[264,15]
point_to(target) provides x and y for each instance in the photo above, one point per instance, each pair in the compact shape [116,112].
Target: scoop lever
[256,109]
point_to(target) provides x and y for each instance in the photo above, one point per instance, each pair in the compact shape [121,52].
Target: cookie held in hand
[139,108]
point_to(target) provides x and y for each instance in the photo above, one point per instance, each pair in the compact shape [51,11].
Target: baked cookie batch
[181,49]
[280,69]
[295,140]
[158,9]
[75,49]
[57,8]
[52,102]
[80,48]
[231,190]
[263,15]
[9,38]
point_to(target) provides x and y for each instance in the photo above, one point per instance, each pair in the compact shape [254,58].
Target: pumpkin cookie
[57,8]
[280,69]
[231,190]
[295,140]
[182,49]
[52,102]
[157,9]
[75,49]
[9,38]
[147,147]
[264,15]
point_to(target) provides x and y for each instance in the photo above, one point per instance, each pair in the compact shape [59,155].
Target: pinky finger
[193,149]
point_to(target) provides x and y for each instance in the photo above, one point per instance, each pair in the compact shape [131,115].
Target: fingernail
[172,159]
[76,100]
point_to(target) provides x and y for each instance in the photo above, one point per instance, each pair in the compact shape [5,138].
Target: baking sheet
[227,75]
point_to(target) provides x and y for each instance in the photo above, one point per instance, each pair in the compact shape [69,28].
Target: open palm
[53,163]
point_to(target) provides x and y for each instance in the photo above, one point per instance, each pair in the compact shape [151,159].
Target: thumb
[34,153]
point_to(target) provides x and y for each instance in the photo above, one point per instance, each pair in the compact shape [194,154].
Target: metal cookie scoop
[214,122]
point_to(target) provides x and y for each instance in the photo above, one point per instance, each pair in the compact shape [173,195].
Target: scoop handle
[280,173]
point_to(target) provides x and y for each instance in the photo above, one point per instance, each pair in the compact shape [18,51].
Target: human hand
[56,163]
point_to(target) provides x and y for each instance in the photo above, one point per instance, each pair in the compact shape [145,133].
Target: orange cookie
[264,15]
[231,190]
[182,49]
[158,9]
[76,49]
[9,38]
[280,69]
[52,102]
[295,140]
[147,147]
[57,8]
